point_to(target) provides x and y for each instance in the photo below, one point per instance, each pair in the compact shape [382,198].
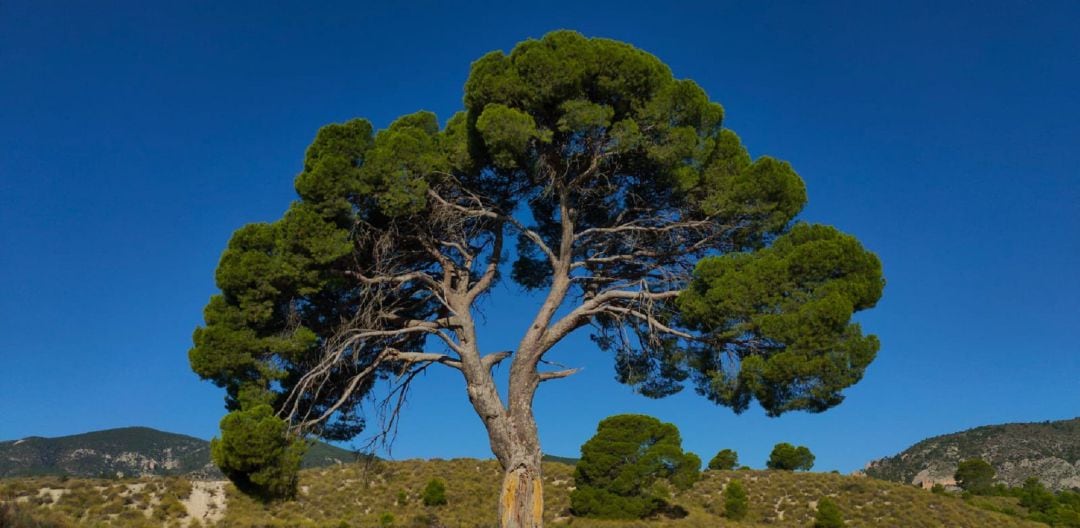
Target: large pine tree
[581,168]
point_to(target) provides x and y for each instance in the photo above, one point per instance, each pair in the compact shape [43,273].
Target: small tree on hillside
[434,493]
[614,478]
[579,168]
[736,501]
[724,459]
[255,453]
[1035,497]
[787,457]
[974,475]
[828,515]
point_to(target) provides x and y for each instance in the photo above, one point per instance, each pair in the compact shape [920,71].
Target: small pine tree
[787,457]
[736,502]
[255,453]
[975,475]
[828,515]
[434,493]
[620,465]
[725,459]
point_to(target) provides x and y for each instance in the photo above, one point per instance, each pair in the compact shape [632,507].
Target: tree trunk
[521,503]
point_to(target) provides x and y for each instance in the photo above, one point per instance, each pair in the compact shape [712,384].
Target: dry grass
[382,494]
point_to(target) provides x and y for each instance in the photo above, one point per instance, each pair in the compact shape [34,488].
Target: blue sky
[134,138]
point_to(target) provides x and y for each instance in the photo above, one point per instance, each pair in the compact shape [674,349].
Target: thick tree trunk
[521,502]
[516,444]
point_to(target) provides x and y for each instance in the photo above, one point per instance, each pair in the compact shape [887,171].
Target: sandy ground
[206,502]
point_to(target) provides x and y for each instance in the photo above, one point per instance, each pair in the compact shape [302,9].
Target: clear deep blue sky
[134,138]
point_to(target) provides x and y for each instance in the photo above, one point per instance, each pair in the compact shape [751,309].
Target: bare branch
[557,374]
[494,358]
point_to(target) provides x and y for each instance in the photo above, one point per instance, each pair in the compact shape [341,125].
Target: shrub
[255,454]
[724,459]
[434,493]
[736,502]
[828,515]
[1035,497]
[619,466]
[787,457]
[974,475]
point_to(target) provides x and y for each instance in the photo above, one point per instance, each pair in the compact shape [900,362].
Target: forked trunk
[521,503]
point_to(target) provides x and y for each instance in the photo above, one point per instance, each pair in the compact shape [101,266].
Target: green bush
[787,457]
[619,466]
[736,502]
[725,459]
[434,493]
[256,455]
[828,515]
[975,476]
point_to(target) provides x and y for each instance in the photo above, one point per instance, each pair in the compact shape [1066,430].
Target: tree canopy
[618,466]
[787,457]
[581,168]
[724,459]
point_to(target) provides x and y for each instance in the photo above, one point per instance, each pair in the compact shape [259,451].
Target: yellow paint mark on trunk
[537,502]
[509,498]
[522,511]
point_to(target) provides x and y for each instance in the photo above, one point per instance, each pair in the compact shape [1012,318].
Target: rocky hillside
[129,451]
[1047,450]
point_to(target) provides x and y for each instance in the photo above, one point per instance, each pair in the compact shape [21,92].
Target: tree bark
[521,502]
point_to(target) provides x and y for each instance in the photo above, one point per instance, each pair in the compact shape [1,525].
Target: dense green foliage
[974,475]
[785,311]
[614,478]
[828,515]
[255,453]
[724,459]
[736,503]
[787,457]
[434,493]
[1061,509]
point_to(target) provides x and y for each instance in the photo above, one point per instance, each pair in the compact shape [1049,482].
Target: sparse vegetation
[1016,451]
[366,495]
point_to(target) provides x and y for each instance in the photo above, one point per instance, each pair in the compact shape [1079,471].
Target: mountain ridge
[1049,451]
[129,451]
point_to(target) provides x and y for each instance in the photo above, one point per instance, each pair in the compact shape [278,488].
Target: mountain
[1047,450]
[384,493]
[128,451]
[561,459]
